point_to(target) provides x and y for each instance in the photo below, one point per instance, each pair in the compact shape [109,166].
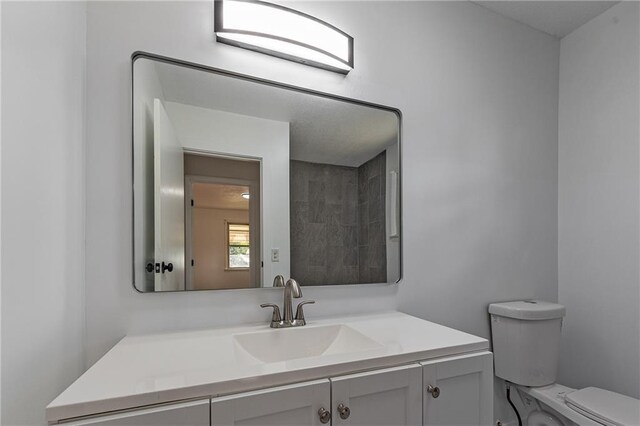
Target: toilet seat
[552,396]
[605,407]
[588,406]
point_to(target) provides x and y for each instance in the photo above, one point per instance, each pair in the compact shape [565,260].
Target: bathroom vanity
[298,184]
[389,368]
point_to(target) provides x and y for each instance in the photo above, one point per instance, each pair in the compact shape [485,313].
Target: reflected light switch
[275,255]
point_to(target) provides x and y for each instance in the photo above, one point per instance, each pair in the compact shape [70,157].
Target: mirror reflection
[237,180]
[222,222]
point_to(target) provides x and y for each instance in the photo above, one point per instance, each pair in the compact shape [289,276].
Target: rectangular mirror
[238,179]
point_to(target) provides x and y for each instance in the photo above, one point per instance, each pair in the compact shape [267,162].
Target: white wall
[219,132]
[43,198]
[598,211]
[479,163]
[479,98]
[479,166]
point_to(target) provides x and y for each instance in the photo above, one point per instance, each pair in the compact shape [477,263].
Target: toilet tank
[526,341]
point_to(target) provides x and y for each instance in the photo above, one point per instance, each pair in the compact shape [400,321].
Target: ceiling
[557,18]
[219,196]
[322,130]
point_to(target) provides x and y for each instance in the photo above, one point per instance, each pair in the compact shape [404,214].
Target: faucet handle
[300,312]
[276,311]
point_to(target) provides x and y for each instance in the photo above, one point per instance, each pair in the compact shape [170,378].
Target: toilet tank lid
[527,310]
[604,406]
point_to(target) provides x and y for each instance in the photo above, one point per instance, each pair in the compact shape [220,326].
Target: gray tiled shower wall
[337,222]
[371,220]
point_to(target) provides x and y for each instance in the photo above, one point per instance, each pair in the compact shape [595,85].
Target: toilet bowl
[526,339]
[543,418]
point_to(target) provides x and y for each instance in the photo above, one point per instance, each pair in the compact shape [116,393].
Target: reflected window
[237,245]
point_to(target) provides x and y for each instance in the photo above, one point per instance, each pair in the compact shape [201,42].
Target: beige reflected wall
[204,165]
[209,250]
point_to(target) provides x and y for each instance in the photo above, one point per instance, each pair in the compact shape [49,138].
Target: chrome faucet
[291,289]
[278,281]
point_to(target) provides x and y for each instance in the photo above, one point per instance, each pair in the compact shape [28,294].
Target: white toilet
[526,341]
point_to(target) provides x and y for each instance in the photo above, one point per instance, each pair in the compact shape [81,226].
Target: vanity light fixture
[286,33]
[245,195]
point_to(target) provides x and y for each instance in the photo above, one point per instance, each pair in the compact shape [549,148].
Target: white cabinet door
[292,405]
[390,397]
[458,391]
[195,413]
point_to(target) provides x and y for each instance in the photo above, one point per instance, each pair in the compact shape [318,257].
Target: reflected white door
[168,172]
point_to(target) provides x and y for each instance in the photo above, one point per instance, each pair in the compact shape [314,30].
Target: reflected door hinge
[192,203]
[191,262]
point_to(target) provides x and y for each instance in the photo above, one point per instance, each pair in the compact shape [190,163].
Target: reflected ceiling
[322,130]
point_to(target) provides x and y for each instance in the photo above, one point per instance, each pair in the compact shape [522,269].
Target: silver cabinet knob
[344,411]
[434,391]
[324,414]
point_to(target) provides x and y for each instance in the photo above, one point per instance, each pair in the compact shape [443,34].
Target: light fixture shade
[283,32]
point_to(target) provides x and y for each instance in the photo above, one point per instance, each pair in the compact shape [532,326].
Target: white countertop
[159,368]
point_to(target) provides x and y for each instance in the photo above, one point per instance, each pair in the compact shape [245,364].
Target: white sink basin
[303,342]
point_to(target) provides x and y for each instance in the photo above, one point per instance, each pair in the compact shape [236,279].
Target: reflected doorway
[222,223]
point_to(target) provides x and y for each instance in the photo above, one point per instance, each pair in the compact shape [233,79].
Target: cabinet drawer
[292,405]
